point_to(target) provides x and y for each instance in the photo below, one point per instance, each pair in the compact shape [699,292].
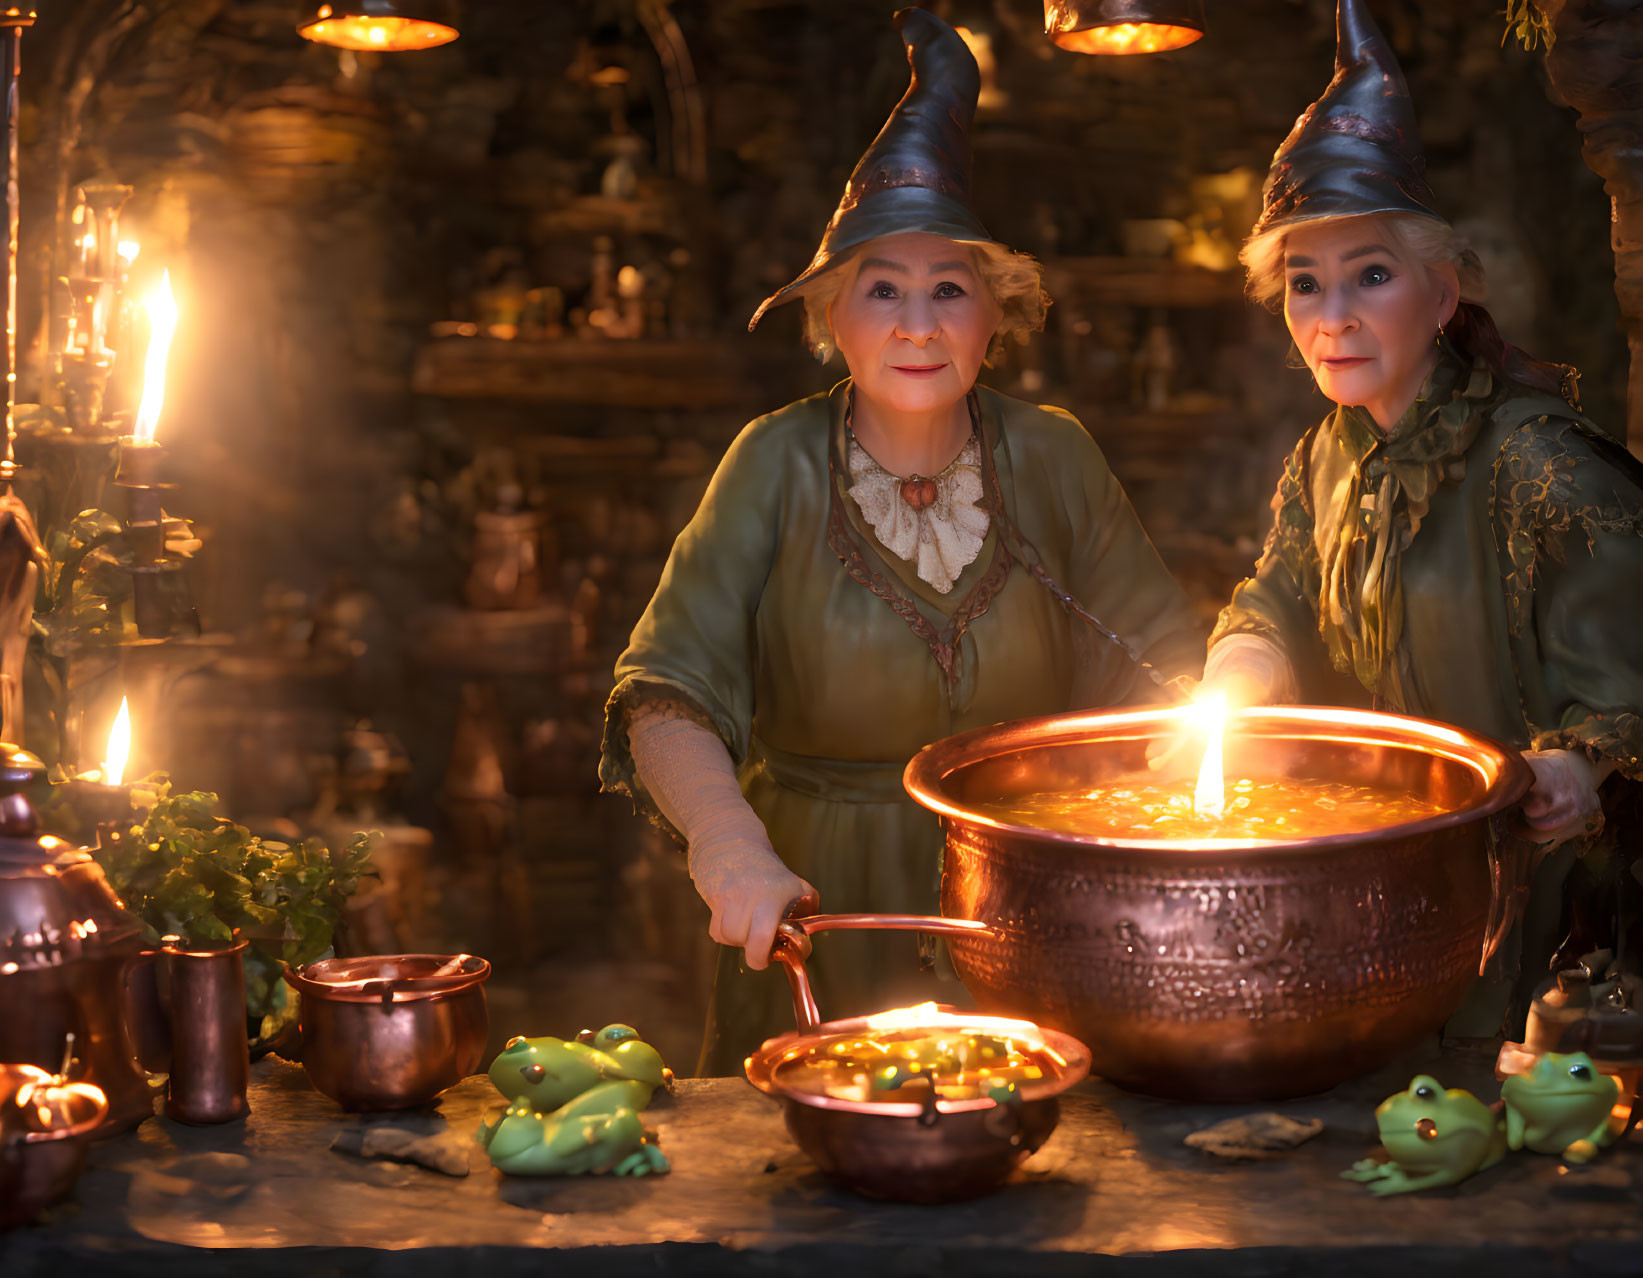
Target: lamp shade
[1123,26]
[386,26]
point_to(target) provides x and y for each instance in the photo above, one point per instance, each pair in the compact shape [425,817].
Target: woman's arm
[687,772]
[694,647]
[681,714]
[1570,510]
[1268,632]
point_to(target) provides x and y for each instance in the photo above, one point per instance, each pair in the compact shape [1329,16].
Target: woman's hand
[1563,803]
[1242,670]
[748,888]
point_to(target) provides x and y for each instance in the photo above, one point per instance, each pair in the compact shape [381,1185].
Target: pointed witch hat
[916,175]
[1355,150]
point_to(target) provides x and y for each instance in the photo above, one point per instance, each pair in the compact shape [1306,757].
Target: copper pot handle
[1513,860]
[792,945]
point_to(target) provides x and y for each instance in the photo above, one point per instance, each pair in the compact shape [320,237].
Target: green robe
[1482,566]
[825,664]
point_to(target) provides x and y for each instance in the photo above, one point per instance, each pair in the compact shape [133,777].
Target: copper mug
[210,1054]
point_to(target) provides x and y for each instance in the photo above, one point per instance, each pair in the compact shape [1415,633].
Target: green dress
[1482,566]
[825,664]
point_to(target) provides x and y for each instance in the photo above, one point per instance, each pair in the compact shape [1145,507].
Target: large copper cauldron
[1217,969]
[937,1150]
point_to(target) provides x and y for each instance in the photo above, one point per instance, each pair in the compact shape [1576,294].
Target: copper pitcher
[67,946]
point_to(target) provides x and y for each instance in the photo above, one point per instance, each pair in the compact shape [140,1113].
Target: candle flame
[119,746]
[161,306]
[1209,797]
[128,250]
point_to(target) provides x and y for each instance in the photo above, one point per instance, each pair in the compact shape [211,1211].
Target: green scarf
[1394,476]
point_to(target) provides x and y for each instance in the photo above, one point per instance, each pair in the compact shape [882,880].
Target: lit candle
[161,306]
[119,746]
[101,794]
[1209,796]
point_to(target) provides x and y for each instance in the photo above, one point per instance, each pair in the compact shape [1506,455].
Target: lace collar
[934,522]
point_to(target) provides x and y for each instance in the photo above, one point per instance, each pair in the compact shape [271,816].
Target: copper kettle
[67,945]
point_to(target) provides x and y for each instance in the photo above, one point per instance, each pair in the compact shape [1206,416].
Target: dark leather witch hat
[1355,150]
[916,175]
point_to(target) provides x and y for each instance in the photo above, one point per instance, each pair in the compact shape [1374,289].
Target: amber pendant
[918,492]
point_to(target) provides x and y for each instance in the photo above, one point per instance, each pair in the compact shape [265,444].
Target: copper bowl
[1220,969]
[937,1150]
[45,1126]
[391,1031]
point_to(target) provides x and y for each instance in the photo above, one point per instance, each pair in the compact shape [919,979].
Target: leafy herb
[82,602]
[1529,22]
[188,872]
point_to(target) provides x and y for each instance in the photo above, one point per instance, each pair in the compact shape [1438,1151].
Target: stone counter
[1114,1191]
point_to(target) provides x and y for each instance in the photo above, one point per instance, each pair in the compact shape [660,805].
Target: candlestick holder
[85,376]
[104,201]
[154,601]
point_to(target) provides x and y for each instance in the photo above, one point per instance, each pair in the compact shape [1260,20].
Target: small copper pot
[45,1126]
[936,1151]
[391,1031]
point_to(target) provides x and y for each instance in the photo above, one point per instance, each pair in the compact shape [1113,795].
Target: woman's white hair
[1016,281]
[1425,239]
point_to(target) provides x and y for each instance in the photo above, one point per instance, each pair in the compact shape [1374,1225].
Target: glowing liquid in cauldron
[961,1066]
[1274,810]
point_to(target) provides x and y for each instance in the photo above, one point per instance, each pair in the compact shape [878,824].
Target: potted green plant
[186,871]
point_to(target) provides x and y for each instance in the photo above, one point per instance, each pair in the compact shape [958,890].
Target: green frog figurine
[1435,1137]
[1561,1106]
[573,1106]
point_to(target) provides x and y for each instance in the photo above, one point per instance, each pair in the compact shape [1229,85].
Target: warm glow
[932,1016]
[162,319]
[1126,37]
[128,250]
[1209,797]
[119,747]
[387,35]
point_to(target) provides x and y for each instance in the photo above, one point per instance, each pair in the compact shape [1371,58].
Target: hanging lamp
[386,26]
[1123,26]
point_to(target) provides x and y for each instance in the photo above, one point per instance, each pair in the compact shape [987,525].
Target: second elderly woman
[871,570]
[1454,540]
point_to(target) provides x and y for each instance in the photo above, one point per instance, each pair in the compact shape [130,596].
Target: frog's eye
[1425,1092]
[513,1042]
[533,1073]
[1582,1072]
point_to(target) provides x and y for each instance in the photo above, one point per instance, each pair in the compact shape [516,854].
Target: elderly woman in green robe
[871,570]
[1454,540]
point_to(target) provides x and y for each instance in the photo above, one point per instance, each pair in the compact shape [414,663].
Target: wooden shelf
[469,641]
[644,373]
[1141,281]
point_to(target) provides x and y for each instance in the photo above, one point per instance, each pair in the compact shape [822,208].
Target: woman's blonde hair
[1425,239]
[1016,281]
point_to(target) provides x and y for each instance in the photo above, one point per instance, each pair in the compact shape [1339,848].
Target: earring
[1438,340]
